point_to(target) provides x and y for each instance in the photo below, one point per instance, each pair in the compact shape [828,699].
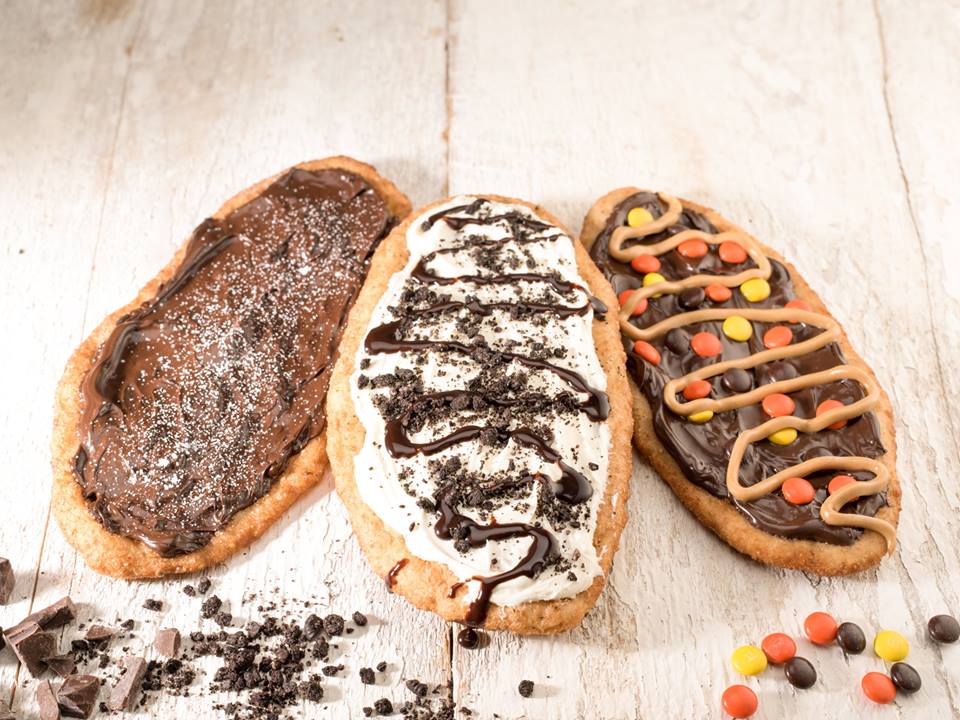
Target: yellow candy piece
[639,216]
[652,279]
[737,328]
[700,417]
[756,289]
[748,660]
[891,646]
[783,437]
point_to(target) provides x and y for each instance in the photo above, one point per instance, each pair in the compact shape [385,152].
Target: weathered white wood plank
[217,96]
[774,113]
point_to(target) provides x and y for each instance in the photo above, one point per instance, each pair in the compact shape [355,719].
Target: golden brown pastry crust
[424,583]
[125,557]
[721,516]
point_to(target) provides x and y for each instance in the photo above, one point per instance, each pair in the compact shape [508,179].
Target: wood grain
[826,129]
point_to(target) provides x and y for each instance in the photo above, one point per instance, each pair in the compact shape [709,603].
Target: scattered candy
[820,628]
[778,405]
[878,687]
[737,380]
[850,637]
[737,327]
[706,344]
[732,252]
[692,248]
[748,660]
[638,216]
[778,648]
[891,646]
[798,491]
[645,263]
[739,701]
[777,336]
[839,482]
[799,304]
[755,289]
[647,351]
[905,677]
[639,309]
[719,293]
[697,389]
[783,437]
[944,629]
[800,672]
[701,417]
[691,298]
[827,406]
[652,278]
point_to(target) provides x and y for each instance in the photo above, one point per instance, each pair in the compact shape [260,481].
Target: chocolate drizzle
[397,336]
[198,398]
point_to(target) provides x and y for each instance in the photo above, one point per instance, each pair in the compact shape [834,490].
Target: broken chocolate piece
[54,616]
[49,709]
[77,695]
[99,632]
[167,642]
[62,665]
[125,693]
[32,644]
[153,604]
[7,580]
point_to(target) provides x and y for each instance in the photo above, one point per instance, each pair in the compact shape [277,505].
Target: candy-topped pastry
[748,398]
[480,417]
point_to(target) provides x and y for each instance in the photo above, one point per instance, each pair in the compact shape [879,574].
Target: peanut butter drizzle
[830,510]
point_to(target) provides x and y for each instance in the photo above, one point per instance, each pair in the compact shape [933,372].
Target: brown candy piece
[77,695]
[31,645]
[125,693]
[49,709]
[7,581]
[167,642]
[944,629]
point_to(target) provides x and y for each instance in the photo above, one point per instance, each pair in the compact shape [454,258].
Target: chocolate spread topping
[199,398]
[702,450]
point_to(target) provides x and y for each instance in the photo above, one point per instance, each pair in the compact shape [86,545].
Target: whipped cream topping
[483,403]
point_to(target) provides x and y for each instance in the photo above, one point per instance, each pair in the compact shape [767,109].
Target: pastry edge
[722,517]
[423,583]
[122,557]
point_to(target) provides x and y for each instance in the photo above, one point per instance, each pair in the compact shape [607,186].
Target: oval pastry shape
[479,426]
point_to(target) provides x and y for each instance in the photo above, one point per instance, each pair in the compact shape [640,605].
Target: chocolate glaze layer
[702,450]
[199,398]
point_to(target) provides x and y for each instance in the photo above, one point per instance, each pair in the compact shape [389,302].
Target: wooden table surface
[828,129]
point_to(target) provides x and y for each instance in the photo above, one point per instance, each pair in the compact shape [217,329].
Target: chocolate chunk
[50,617]
[737,380]
[151,604]
[125,693]
[49,709]
[382,666]
[417,688]
[383,707]
[525,688]
[367,676]
[359,619]
[944,629]
[333,624]
[167,642]
[691,298]
[77,695]
[799,672]
[203,586]
[851,638]
[7,581]
[189,591]
[210,606]
[99,632]
[62,665]
[905,677]
[32,644]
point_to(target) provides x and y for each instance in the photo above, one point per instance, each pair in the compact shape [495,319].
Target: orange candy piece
[879,688]
[644,264]
[838,482]
[777,336]
[647,351]
[799,305]
[778,405]
[739,701]
[692,248]
[697,389]
[732,252]
[798,491]
[821,628]
[706,344]
[639,309]
[778,648]
[718,293]
[827,406]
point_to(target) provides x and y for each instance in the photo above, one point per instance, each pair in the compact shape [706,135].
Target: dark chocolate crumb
[525,688]
[366,676]
[333,625]
[383,707]
[154,605]
[359,619]
[203,586]
[210,606]
[382,666]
